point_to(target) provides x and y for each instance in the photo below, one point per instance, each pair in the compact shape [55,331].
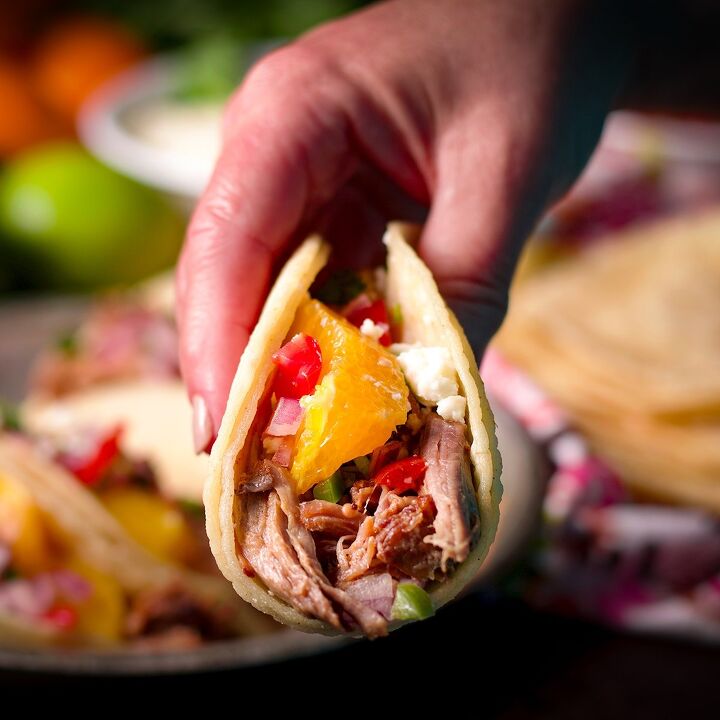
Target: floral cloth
[601,554]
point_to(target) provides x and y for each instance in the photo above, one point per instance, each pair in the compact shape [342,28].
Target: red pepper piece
[63,617]
[299,364]
[403,475]
[89,469]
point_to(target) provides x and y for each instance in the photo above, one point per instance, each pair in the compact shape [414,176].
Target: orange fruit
[102,616]
[151,521]
[23,120]
[23,528]
[75,57]
[361,398]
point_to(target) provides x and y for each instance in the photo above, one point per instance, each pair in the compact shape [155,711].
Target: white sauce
[189,129]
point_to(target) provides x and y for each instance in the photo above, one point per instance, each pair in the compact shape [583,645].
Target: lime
[80,225]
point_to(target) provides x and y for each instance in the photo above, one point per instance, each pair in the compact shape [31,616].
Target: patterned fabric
[602,554]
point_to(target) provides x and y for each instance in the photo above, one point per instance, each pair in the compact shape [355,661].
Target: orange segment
[24,529]
[23,121]
[151,521]
[102,616]
[361,398]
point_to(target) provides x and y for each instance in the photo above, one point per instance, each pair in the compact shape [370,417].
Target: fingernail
[202,425]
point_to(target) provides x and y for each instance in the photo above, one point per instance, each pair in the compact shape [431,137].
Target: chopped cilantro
[67,344]
[340,288]
[192,508]
[10,574]
[9,417]
[362,463]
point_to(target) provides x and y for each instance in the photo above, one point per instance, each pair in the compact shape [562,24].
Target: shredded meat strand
[401,526]
[117,340]
[174,611]
[329,518]
[448,480]
[261,480]
[270,550]
[357,559]
[365,495]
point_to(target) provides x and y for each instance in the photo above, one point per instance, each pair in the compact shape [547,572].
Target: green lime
[79,225]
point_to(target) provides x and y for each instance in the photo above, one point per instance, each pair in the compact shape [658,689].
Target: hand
[470,114]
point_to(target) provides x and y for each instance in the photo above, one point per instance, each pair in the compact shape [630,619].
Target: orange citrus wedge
[362,397]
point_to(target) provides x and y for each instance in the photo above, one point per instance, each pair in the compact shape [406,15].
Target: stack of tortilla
[626,338]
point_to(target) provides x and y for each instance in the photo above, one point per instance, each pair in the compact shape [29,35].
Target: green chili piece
[331,489]
[411,603]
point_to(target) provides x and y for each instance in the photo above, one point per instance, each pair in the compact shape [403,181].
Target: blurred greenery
[168,23]
[211,67]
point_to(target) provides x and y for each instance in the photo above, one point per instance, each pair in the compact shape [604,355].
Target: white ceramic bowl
[134,125]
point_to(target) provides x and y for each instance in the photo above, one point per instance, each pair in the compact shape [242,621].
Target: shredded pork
[448,481]
[339,562]
[172,612]
[281,551]
[330,518]
[401,526]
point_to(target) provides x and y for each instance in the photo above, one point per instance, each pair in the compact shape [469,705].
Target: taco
[155,415]
[354,483]
[120,366]
[92,554]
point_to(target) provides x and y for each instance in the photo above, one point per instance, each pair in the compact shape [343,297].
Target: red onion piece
[30,598]
[284,452]
[361,302]
[71,586]
[286,418]
[376,591]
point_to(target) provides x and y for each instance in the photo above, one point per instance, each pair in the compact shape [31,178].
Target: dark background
[482,656]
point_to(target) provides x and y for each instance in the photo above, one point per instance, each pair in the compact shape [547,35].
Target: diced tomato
[63,617]
[363,308]
[403,475]
[299,363]
[90,468]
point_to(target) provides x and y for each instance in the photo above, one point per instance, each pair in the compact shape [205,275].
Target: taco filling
[58,588]
[357,492]
[119,339]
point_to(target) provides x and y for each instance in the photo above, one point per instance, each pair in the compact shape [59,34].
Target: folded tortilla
[98,540]
[426,319]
